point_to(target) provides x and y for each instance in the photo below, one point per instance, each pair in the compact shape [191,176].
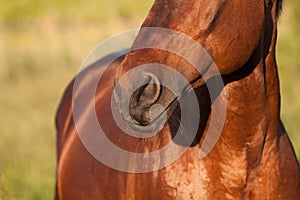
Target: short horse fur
[253,158]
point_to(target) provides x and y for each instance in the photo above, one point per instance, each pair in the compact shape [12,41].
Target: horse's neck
[253,100]
[252,108]
[252,103]
[252,121]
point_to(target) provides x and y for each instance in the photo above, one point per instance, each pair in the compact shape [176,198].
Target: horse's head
[229,31]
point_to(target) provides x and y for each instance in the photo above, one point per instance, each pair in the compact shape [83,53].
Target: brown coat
[252,159]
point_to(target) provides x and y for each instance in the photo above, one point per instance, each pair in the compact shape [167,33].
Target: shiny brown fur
[253,158]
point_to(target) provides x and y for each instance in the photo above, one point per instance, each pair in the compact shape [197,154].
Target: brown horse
[252,158]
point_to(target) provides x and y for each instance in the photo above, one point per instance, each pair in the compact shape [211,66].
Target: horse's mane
[278,7]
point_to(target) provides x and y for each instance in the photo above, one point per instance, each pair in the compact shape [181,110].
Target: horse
[252,158]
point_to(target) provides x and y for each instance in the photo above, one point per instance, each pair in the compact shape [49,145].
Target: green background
[42,44]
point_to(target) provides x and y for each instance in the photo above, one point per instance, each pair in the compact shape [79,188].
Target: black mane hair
[278,7]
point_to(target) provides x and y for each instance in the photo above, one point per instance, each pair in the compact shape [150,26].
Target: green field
[42,44]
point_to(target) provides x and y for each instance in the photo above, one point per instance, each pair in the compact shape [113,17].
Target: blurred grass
[42,44]
[288,51]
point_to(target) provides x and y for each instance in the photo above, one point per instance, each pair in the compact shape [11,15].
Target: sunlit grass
[288,58]
[41,49]
[18,11]
[42,44]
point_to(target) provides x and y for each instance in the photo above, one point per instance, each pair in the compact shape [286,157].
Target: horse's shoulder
[99,74]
